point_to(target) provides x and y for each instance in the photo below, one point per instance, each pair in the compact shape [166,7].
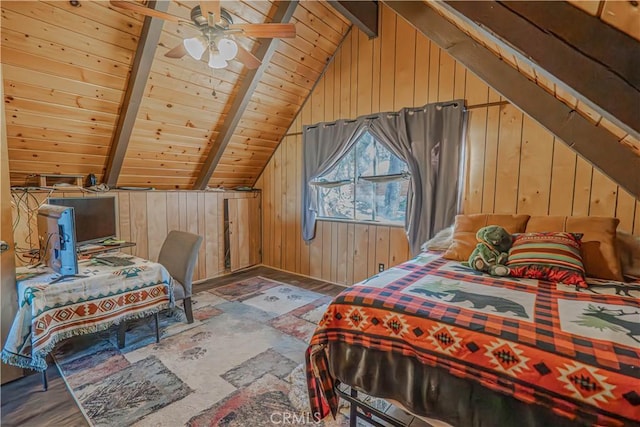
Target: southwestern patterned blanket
[98,298]
[574,351]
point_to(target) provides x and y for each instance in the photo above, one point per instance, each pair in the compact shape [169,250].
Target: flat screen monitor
[57,240]
[95,217]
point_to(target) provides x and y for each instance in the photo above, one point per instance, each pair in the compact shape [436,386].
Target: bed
[450,343]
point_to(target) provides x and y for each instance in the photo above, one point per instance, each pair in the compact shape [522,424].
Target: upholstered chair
[178,255]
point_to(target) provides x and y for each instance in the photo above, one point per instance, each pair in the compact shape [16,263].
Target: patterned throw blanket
[574,351]
[49,313]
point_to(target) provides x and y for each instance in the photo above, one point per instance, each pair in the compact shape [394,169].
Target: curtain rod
[488,104]
[471,107]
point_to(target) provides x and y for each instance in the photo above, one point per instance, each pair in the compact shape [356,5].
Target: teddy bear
[492,251]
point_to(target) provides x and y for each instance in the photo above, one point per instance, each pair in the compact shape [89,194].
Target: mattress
[431,330]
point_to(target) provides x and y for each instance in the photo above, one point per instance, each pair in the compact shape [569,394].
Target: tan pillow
[466,227]
[599,248]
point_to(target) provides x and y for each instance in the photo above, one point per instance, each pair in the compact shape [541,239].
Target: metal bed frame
[360,410]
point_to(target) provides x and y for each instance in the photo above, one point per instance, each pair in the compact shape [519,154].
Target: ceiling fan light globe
[195,46]
[216,61]
[228,49]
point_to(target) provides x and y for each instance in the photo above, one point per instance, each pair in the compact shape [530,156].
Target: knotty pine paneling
[513,165]
[65,70]
[618,14]
[146,217]
[295,67]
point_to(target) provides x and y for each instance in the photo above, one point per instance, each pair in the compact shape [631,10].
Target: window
[368,184]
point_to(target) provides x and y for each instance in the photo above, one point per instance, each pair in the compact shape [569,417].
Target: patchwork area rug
[238,364]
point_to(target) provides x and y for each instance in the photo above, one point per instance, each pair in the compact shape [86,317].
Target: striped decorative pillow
[552,256]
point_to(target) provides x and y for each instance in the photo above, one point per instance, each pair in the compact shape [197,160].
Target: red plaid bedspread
[575,351]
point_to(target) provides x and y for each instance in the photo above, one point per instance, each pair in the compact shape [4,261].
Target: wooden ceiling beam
[265,51]
[597,145]
[363,14]
[597,63]
[149,38]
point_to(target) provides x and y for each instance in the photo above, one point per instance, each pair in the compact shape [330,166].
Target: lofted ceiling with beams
[67,69]
[70,71]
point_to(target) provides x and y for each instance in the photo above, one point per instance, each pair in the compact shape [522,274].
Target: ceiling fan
[217,32]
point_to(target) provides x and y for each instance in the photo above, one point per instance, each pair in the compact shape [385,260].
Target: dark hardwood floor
[282,276]
[24,403]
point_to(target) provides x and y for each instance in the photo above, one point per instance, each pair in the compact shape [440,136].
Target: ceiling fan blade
[266,30]
[209,7]
[177,52]
[247,58]
[142,10]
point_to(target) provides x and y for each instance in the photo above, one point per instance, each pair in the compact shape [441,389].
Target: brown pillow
[466,227]
[599,248]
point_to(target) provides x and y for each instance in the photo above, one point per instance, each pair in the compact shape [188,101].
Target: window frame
[382,178]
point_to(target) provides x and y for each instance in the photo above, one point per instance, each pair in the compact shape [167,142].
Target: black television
[95,217]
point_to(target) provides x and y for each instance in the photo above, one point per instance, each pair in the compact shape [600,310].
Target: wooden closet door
[255,229]
[238,233]
[244,232]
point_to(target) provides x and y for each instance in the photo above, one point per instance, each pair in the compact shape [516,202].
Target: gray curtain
[322,147]
[429,139]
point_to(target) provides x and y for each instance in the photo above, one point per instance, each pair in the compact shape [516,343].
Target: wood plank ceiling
[66,70]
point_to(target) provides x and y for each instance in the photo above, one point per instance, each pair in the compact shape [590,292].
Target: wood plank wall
[146,217]
[543,79]
[512,163]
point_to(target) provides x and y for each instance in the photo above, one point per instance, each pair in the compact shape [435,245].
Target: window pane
[391,201]
[365,153]
[388,163]
[342,170]
[336,202]
[364,201]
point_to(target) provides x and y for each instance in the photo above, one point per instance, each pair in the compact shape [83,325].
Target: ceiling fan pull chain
[213,89]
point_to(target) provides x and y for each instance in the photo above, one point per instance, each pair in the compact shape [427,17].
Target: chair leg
[188,310]
[45,383]
[122,328]
[157,328]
